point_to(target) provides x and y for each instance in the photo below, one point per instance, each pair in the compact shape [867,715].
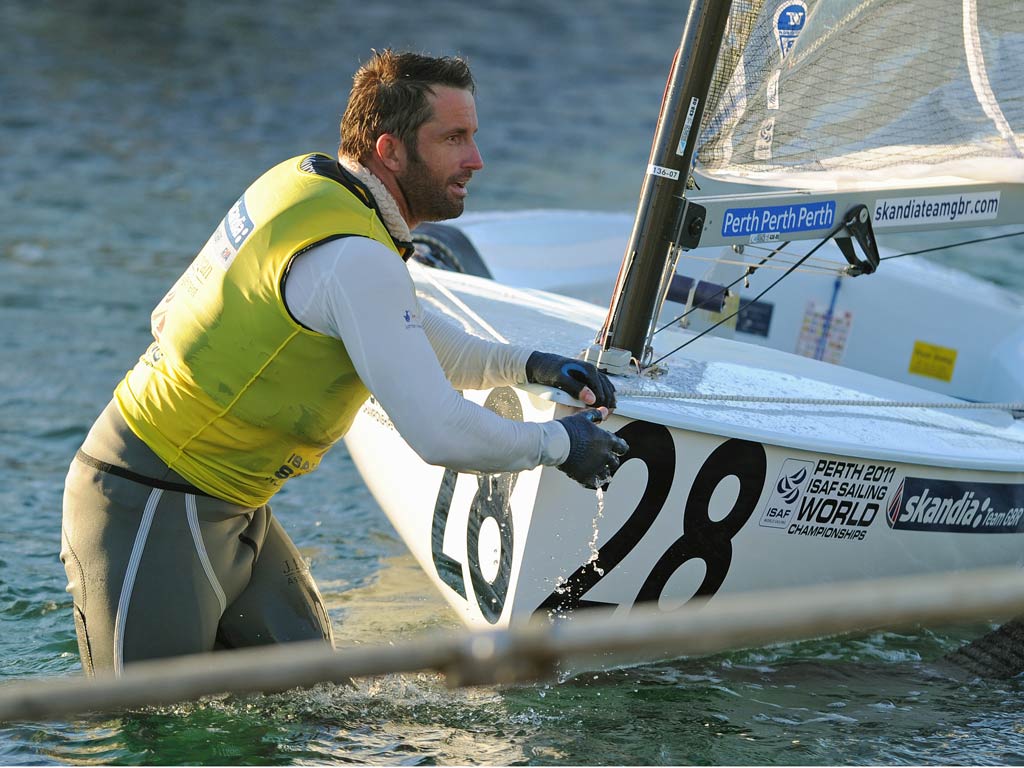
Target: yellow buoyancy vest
[235,395]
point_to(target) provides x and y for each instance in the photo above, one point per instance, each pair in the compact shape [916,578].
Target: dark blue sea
[127,128]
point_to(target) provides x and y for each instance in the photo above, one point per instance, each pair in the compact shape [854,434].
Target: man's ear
[391,152]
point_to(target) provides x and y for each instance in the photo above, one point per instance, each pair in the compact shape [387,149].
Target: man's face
[435,178]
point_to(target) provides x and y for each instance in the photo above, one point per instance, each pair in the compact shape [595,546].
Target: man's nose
[473,160]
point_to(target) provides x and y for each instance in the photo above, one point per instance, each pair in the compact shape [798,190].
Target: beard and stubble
[427,195]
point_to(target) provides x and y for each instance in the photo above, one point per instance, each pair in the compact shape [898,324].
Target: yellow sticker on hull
[933,361]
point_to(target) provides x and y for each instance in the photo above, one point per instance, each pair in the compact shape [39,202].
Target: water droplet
[592,544]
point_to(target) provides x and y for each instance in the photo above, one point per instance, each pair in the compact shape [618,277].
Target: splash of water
[595,553]
[562,583]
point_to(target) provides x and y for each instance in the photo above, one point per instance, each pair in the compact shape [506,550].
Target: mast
[665,221]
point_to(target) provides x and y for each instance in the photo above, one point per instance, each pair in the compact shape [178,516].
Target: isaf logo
[789,486]
[779,509]
[765,139]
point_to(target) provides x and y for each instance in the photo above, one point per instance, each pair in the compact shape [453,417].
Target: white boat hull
[687,514]
[715,496]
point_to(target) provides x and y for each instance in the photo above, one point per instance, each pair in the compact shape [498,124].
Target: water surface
[126,130]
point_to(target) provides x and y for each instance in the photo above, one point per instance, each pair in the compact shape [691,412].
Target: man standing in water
[297,308]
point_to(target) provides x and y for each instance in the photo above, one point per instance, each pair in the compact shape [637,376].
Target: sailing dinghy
[853,420]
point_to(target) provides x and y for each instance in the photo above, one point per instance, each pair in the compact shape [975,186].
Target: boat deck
[969,439]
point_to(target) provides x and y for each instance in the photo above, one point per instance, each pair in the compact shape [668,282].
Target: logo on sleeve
[412,319]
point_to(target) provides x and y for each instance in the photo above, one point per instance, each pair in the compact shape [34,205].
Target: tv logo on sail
[789,20]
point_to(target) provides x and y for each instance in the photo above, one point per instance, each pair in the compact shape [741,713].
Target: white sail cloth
[842,94]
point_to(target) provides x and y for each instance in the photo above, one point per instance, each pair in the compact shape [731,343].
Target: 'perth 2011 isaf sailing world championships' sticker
[778,219]
[827,498]
[955,506]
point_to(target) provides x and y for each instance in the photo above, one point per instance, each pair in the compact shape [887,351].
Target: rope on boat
[941,405]
[583,640]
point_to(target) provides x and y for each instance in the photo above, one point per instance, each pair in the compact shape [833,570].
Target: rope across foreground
[535,651]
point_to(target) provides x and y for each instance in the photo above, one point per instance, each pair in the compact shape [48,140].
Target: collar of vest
[330,168]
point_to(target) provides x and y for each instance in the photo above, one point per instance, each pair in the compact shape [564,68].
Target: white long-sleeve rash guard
[357,290]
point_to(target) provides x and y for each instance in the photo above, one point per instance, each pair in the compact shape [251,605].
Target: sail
[846,94]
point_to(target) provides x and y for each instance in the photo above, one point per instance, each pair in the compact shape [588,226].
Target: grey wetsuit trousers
[157,568]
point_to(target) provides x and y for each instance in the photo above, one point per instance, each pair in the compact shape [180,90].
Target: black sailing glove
[570,376]
[594,453]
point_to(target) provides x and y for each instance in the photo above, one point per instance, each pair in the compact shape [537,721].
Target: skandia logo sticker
[955,506]
[789,21]
[893,511]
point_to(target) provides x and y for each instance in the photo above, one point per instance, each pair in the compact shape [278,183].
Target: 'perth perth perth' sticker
[779,219]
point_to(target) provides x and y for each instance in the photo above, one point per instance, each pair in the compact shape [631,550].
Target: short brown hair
[389,95]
